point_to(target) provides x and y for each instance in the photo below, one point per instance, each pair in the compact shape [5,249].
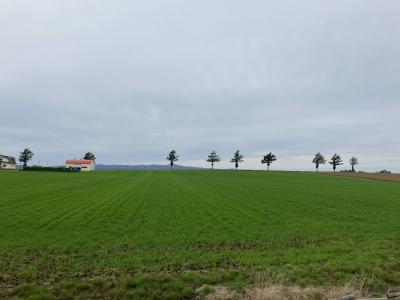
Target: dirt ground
[375,176]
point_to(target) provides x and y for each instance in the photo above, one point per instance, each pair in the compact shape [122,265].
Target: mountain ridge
[145,167]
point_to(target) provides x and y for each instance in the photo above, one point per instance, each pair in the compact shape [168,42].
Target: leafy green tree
[318,160]
[25,156]
[336,160]
[172,157]
[213,158]
[90,156]
[237,158]
[353,163]
[268,159]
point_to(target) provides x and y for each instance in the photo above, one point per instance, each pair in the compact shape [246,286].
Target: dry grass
[223,293]
[270,287]
[279,292]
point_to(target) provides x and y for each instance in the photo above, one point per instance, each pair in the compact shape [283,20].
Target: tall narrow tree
[268,159]
[25,156]
[172,157]
[318,160]
[353,163]
[336,160]
[237,158]
[213,158]
[90,156]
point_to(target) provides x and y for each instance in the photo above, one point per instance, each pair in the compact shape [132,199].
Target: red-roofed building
[82,164]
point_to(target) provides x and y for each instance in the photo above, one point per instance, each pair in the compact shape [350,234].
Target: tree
[213,158]
[353,162]
[237,158]
[172,157]
[25,156]
[336,160]
[268,159]
[319,159]
[90,156]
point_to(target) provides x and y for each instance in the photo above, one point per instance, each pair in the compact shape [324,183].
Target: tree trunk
[352,168]
[171,167]
[267,167]
[212,166]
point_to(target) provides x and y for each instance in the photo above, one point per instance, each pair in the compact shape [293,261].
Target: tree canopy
[213,158]
[237,158]
[172,157]
[353,163]
[318,160]
[90,156]
[268,159]
[25,156]
[336,160]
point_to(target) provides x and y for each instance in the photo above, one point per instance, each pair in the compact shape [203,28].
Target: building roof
[79,162]
[10,159]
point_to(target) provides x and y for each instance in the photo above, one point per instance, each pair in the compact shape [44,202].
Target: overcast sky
[131,80]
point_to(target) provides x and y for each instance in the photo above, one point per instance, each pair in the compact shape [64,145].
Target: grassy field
[142,234]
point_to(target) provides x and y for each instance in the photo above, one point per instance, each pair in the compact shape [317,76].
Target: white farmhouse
[83,164]
[7,163]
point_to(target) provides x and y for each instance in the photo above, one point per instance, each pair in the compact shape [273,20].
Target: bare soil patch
[375,176]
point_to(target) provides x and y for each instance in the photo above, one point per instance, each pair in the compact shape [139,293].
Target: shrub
[385,172]
[48,169]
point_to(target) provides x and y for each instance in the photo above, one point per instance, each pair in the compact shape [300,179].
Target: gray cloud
[129,80]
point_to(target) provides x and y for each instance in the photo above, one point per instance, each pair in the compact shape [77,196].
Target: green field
[145,233]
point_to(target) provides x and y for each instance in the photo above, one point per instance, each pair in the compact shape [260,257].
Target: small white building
[7,163]
[83,164]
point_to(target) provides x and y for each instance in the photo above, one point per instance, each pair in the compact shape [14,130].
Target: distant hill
[143,167]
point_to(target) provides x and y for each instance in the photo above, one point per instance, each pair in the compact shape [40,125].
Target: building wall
[6,165]
[84,167]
